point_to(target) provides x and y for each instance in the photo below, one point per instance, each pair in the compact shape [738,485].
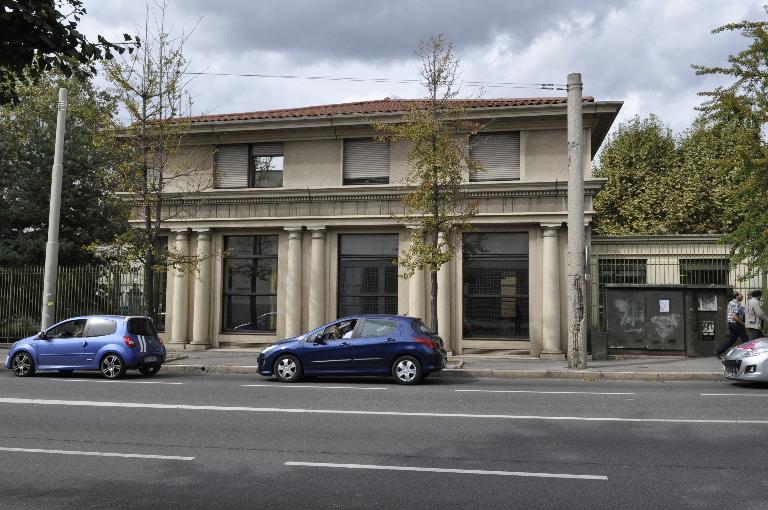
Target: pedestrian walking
[755,315]
[736,330]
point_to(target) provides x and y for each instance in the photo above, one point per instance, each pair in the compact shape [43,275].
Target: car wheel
[149,370]
[287,368]
[22,364]
[407,370]
[112,366]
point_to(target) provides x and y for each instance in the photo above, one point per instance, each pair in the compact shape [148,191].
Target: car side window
[100,327]
[379,327]
[67,329]
[341,329]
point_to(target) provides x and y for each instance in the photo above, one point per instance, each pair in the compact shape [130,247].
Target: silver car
[748,361]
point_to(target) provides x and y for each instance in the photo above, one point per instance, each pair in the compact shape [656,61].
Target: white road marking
[289,386]
[734,394]
[189,407]
[441,470]
[119,382]
[96,454]
[545,392]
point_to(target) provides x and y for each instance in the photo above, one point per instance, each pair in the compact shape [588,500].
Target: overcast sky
[638,52]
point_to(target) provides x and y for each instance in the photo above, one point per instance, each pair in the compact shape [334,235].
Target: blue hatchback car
[107,343]
[403,347]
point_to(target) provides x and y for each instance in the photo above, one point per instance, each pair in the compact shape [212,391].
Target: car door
[63,345]
[375,344]
[325,351]
[98,333]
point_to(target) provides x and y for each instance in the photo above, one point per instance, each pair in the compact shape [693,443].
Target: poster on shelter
[663,305]
[708,303]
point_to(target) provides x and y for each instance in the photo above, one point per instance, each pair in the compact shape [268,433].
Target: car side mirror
[318,339]
[42,336]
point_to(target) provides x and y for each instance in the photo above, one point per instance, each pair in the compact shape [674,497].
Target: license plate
[150,359]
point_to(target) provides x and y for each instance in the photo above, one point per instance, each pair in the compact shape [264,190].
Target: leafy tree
[436,202]
[151,86]
[739,111]
[89,212]
[37,36]
[635,160]
[662,183]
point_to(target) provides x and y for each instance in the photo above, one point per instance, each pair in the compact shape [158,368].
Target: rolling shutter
[499,155]
[267,149]
[230,165]
[366,161]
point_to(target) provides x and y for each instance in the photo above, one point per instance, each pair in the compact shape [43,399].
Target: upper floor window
[499,155]
[366,161]
[256,165]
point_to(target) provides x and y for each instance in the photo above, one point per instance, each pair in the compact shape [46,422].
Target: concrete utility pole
[52,246]
[577,345]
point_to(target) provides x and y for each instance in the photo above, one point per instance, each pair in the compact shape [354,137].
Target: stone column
[180,302]
[444,301]
[551,294]
[317,265]
[416,289]
[201,338]
[293,283]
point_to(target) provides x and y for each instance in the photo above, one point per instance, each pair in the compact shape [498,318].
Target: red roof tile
[385,105]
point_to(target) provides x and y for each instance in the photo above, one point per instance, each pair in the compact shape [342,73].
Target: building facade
[300,214]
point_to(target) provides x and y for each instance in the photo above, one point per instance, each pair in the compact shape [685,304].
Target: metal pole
[577,348]
[52,246]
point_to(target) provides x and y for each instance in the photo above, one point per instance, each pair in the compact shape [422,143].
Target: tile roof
[385,105]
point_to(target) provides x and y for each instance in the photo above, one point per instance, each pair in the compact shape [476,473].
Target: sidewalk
[641,368]
[645,368]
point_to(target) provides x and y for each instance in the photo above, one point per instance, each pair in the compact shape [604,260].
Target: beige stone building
[302,202]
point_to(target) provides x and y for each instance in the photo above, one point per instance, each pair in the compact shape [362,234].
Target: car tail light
[129,341]
[425,340]
[160,340]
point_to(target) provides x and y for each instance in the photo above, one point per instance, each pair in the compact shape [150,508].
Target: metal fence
[80,290]
[661,260]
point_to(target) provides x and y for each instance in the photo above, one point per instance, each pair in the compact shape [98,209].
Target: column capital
[294,232]
[203,234]
[318,231]
[550,230]
[180,230]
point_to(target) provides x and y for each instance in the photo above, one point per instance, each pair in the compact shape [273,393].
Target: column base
[197,347]
[552,355]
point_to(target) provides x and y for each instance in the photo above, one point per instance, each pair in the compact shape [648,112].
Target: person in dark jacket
[736,329]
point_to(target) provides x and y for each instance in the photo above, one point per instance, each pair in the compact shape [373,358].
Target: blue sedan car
[107,343]
[403,347]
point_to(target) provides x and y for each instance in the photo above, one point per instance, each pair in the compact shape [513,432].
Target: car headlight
[269,349]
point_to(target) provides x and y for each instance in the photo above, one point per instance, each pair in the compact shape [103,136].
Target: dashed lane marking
[97,454]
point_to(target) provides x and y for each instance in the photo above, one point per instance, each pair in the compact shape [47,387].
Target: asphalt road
[246,442]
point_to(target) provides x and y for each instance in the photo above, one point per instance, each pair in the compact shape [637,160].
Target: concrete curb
[585,375]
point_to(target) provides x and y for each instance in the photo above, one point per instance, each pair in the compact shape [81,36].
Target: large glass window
[495,285]
[367,274]
[250,284]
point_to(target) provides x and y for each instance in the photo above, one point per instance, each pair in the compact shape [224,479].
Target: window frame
[524,298]
[225,294]
[340,295]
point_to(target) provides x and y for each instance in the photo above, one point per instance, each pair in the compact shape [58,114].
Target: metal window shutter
[366,159]
[499,155]
[231,166]
[267,149]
